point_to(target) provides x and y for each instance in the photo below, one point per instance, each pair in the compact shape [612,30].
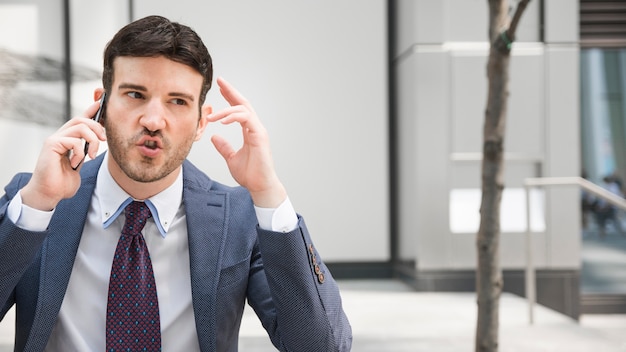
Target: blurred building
[440,58]
[375,110]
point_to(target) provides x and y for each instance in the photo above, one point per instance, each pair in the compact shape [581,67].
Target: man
[206,247]
[606,212]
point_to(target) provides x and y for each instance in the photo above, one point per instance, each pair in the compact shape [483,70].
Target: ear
[205,111]
[97,94]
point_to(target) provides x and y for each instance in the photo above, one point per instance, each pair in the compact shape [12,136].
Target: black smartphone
[96,118]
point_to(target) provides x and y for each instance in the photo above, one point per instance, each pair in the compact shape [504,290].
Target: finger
[222,146]
[87,116]
[91,111]
[244,118]
[232,95]
[237,113]
[224,113]
[85,129]
[250,127]
[69,143]
[94,146]
[68,148]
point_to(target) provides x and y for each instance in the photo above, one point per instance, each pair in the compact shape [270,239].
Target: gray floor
[387,316]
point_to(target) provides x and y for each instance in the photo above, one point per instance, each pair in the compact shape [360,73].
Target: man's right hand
[54,178]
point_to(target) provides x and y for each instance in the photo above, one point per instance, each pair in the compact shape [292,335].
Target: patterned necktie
[133,322]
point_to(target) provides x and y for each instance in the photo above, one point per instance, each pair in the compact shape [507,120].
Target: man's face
[152,118]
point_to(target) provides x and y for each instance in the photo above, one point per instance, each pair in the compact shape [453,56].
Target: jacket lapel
[206,218]
[58,254]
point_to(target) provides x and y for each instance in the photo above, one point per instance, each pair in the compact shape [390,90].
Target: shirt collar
[113,199]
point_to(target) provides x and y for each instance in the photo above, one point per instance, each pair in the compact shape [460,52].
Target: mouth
[150,144]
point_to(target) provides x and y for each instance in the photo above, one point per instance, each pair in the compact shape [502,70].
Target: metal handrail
[531,290]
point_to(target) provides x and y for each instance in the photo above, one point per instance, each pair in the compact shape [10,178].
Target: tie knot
[136,215]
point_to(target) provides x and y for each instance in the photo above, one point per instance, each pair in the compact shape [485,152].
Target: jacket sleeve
[305,311]
[18,247]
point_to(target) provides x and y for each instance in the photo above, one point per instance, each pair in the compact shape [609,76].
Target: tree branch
[506,38]
[521,6]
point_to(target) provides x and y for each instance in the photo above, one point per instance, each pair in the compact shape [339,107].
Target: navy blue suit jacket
[231,260]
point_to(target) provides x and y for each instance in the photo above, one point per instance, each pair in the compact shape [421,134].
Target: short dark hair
[155,36]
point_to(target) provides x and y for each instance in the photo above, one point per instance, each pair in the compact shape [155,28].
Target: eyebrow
[144,89]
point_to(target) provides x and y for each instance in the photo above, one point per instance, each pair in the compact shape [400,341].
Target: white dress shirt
[82,319]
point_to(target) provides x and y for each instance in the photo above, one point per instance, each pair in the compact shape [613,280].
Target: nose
[153,118]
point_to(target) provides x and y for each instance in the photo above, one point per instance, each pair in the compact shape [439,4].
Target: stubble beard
[145,169]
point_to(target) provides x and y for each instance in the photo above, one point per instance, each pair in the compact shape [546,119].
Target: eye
[179,101]
[135,95]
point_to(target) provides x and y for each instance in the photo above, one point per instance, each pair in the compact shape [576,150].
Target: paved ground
[388,316]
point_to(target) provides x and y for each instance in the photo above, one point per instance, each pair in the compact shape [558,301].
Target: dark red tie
[133,322]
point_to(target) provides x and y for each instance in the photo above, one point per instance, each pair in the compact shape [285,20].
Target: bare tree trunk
[489,274]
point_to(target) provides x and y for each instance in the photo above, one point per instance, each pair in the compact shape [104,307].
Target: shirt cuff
[28,218]
[281,219]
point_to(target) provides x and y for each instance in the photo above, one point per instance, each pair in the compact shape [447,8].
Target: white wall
[316,73]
